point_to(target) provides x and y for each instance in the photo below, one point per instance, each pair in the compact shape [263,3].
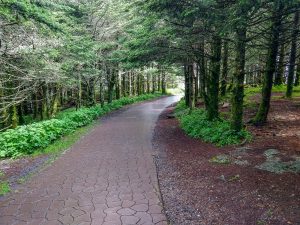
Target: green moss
[4,188]
[220,159]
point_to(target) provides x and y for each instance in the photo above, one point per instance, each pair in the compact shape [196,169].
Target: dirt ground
[258,183]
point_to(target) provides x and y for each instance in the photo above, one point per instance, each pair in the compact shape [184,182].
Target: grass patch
[218,132]
[4,188]
[251,91]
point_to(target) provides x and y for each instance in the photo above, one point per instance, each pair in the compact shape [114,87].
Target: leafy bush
[218,132]
[28,138]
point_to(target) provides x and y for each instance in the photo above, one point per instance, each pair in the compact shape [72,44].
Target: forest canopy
[71,53]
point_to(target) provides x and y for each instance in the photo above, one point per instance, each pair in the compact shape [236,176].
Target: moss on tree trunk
[238,84]
[213,85]
[262,114]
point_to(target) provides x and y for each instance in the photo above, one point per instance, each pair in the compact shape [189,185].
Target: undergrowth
[4,188]
[27,139]
[218,132]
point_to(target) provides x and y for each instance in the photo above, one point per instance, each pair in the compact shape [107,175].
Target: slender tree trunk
[163,82]
[148,83]
[124,86]
[202,75]
[44,97]
[35,105]
[153,83]
[111,85]
[239,77]
[280,68]
[118,84]
[213,86]
[54,105]
[101,93]
[292,60]
[130,83]
[225,68]
[133,80]
[187,85]
[14,117]
[79,93]
[196,73]
[262,114]
[20,109]
[191,86]
[159,80]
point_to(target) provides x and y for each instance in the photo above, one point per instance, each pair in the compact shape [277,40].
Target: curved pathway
[107,178]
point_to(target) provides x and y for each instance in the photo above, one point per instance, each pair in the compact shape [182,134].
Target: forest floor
[253,184]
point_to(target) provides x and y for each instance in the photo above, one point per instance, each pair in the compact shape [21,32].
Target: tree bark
[163,82]
[186,86]
[101,93]
[262,114]
[239,77]
[280,68]
[292,60]
[225,68]
[191,86]
[213,86]
[111,85]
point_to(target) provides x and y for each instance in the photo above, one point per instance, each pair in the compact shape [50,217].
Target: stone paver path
[107,178]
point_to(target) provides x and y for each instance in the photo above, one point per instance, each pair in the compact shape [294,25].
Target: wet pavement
[107,178]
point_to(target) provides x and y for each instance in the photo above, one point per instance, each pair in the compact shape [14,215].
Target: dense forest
[62,53]
[219,142]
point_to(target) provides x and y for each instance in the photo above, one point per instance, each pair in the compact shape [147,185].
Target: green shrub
[218,132]
[29,138]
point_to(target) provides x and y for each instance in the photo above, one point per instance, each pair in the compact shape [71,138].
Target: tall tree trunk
[148,83]
[20,109]
[213,86]
[186,85]
[133,80]
[292,60]
[159,80]
[130,83]
[225,68]
[280,68]
[124,86]
[101,92]
[196,74]
[118,84]
[191,86]
[163,82]
[111,85]
[262,114]
[54,105]
[79,92]
[239,77]
[153,83]
[202,75]
[14,117]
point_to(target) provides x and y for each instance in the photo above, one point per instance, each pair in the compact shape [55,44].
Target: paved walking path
[107,178]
